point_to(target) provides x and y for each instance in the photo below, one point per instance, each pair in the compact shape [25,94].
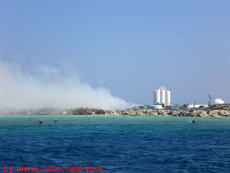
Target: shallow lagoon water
[118,143]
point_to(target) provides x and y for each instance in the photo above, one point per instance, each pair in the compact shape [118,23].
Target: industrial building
[162,96]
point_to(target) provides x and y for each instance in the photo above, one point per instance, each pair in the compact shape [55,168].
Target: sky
[128,47]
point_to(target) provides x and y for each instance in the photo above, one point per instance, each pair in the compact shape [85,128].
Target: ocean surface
[117,143]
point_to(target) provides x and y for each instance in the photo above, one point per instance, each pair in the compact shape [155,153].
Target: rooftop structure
[219,101]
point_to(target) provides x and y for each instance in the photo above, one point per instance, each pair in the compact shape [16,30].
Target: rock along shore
[213,111]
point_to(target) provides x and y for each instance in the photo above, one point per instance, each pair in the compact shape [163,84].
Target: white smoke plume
[48,86]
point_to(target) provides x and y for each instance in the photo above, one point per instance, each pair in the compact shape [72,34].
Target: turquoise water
[118,143]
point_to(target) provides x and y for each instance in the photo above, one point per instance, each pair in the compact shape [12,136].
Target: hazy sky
[129,47]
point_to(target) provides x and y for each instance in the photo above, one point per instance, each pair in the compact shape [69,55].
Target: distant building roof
[219,101]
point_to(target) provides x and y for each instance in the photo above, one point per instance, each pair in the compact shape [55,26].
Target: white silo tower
[162,96]
[162,91]
[156,97]
[168,97]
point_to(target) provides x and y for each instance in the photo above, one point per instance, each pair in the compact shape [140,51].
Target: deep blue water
[118,143]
